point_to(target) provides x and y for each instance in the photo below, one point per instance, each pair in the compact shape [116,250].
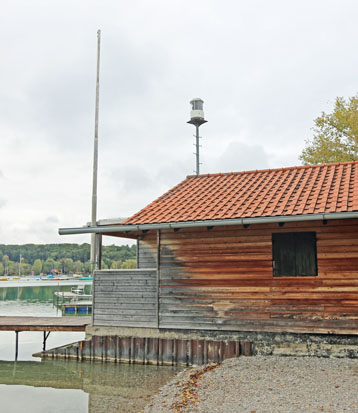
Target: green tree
[13,268]
[54,256]
[5,260]
[129,264]
[2,269]
[27,268]
[37,266]
[48,265]
[68,265]
[335,137]
[116,265]
[78,267]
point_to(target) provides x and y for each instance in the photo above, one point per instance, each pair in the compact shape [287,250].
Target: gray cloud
[52,220]
[239,156]
[265,71]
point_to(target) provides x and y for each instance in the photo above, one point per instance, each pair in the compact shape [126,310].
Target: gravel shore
[263,384]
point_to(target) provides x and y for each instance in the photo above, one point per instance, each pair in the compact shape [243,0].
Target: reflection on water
[58,386]
[110,387]
[35,294]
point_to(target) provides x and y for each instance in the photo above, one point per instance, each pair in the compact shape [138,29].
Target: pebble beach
[262,385]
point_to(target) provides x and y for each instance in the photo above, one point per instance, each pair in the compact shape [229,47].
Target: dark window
[294,254]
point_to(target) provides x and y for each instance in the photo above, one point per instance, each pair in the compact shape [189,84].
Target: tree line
[61,258]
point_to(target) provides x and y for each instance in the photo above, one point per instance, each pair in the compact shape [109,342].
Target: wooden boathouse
[268,255]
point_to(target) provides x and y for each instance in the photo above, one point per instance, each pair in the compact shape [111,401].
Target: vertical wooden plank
[137,254]
[228,350]
[97,349]
[151,351]
[237,348]
[175,352]
[190,352]
[118,349]
[198,352]
[158,278]
[205,352]
[145,351]
[93,298]
[124,349]
[131,350]
[167,351]
[181,351]
[138,350]
[245,348]
[111,348]
[86,350]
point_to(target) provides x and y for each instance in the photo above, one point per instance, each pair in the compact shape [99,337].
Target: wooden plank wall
[125,298]
[147,252]
[222,279]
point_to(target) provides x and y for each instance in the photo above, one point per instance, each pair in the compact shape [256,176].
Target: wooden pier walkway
[72,296]
[44,323]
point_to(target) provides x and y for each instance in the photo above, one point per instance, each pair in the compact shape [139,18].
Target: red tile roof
[298,190]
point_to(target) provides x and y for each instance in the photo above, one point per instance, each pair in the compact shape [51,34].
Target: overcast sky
[265,70]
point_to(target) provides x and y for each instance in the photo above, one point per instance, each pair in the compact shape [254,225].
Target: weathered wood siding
[147,252]
[125,298]
[222,279]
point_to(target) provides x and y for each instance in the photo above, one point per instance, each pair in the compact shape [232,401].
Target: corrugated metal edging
[149,350]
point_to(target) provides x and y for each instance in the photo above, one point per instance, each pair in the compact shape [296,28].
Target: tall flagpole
[94,258]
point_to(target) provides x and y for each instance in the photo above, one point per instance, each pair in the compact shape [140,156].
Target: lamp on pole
[197,119]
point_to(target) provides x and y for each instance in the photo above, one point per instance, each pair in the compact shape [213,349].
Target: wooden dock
[72,296]
[44,323]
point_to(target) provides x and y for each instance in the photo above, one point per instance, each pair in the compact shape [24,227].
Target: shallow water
[31,385]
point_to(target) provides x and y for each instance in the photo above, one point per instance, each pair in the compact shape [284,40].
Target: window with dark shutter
[294,254]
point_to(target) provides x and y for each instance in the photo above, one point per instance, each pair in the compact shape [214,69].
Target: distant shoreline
[42,283]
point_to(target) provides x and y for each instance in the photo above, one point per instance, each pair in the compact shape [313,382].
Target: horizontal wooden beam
[44,323]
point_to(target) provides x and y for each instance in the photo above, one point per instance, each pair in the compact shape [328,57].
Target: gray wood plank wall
[125,298]
[147,253]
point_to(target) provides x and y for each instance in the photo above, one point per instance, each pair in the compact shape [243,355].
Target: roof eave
[206,223]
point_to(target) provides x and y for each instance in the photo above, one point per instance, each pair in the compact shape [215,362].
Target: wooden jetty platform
[45,324]
[72,296]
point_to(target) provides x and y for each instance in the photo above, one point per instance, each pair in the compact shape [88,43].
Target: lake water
[56,386]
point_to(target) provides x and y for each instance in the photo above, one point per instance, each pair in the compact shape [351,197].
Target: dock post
[46,334]
[16,345]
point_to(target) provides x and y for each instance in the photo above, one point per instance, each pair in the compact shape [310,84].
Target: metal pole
[197,150]
[95,158]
